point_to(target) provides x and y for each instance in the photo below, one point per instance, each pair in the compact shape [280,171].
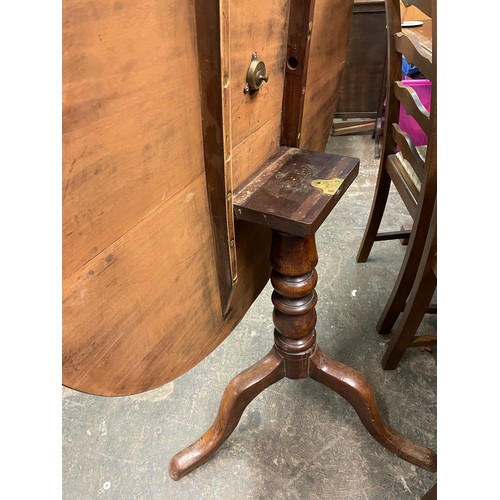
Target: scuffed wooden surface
[140,297]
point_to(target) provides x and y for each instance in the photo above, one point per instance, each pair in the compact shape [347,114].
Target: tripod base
[295,353]
[347,382]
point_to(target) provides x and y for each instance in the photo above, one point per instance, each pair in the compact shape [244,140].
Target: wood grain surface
[140,291]
[256,117]
[141,301]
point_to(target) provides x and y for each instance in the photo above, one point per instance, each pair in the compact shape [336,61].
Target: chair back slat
[413,105]
[408,45]
[409,151]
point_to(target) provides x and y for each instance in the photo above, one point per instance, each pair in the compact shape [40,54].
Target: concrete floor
[297,439]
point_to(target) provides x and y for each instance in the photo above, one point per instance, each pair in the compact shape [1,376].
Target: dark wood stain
[297,59]
[209,61]
[281,196]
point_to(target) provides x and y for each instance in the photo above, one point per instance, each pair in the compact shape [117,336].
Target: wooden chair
[417,304]
[412,170]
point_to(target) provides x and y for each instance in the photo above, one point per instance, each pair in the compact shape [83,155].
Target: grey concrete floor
[297,439]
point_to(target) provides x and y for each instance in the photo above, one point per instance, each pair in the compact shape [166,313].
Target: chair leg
[400,292]
[410,321]
[240,391]
[418,245]
[415,309]
[377,211]
[352,386]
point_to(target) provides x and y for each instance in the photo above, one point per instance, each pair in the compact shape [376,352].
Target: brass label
[328,186]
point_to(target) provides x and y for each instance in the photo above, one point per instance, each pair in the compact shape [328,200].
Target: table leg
[352,386]
[239,392]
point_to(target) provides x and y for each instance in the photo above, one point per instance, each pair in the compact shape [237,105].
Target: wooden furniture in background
[402,165]
[327,56]
[363,79]
[292,194]
[412,13]
[362,92]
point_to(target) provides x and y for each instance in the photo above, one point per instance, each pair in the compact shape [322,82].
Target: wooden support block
[295,190]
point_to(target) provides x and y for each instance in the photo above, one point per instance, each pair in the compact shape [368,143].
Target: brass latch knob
[256,75]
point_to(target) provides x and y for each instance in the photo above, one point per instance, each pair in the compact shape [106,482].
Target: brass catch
[256,75]
[328,186]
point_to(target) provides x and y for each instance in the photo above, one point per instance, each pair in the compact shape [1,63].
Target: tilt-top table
[292,194]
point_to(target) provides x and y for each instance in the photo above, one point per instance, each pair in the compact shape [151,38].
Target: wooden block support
[295,190]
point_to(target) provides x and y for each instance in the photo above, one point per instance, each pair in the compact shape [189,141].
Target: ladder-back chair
[412,170]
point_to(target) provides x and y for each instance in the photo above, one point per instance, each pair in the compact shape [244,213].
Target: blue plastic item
[409,70]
